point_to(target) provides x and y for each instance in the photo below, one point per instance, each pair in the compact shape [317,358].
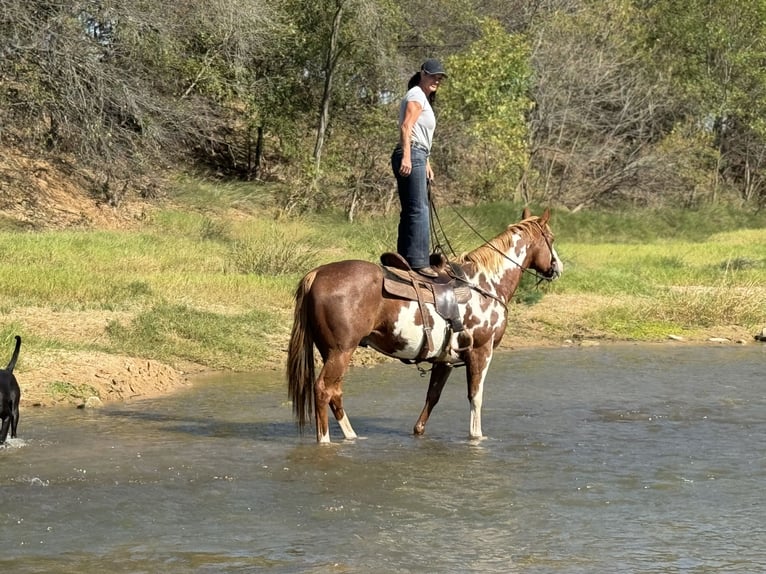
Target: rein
[540,278]
[435,221]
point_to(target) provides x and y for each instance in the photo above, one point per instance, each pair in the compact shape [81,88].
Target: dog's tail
[15,356]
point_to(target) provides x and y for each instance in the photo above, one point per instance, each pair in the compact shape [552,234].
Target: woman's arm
[411,115]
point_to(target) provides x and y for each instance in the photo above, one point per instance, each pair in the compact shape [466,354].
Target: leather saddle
[445,292]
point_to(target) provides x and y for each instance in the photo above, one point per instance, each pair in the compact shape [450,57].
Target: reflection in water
[618,459]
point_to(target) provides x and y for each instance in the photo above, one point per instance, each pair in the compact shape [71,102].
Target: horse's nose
[557,268]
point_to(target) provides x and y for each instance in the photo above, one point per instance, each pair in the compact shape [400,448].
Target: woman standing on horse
[411,167]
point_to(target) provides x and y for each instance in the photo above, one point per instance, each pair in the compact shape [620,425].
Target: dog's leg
[4,429]
[14,420]
[15,400]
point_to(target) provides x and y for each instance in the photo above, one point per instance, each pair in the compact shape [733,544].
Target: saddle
[445,292]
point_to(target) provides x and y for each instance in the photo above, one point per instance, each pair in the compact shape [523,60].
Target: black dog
[10,395]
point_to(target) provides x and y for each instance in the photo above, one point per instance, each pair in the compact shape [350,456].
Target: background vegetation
[227,146]
[214,287]
[572,103]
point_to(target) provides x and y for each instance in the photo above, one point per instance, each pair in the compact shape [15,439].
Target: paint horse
[342,305]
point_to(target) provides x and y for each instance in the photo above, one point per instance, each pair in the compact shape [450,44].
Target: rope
[435,216]
[435,220]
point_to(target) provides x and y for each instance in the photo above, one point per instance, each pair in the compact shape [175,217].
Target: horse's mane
[489,256]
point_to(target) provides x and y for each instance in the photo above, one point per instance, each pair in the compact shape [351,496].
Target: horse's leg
[477,365]
[439,375]
[328,390]
[336,404]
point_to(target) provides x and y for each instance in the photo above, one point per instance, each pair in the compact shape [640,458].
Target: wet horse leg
[328,390]
[477,366]
[336,404]
[439,375]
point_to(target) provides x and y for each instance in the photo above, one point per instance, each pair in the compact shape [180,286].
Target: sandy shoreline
[88,380]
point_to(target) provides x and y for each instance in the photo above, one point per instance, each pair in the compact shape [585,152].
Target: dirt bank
[90,379]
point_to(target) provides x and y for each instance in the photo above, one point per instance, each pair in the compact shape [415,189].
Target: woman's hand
[406,168]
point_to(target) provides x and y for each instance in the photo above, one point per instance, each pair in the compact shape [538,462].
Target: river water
[605,459]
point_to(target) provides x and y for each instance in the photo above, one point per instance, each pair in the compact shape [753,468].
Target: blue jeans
[413,242]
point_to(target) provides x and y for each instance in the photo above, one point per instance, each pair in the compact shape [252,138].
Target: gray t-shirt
[423,130]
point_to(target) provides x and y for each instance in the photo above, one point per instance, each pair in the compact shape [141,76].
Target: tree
[714,54]
[486,100]
[345,44]
[598,109]
[124,86]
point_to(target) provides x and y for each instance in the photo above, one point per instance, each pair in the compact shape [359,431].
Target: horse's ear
[545,216]
[526,214]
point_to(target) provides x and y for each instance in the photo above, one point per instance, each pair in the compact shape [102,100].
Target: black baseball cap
[432,67]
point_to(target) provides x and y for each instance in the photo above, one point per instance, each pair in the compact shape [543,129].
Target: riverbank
[89,379]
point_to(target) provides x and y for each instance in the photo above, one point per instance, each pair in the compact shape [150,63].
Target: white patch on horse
[558,264]
[345,426]
[516,256]
[438,335]
[406,330]
[476,403]
[481,314]
[413,335]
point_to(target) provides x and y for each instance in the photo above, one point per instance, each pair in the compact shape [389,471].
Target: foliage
[569,102]
[598,112]
[486,101]
[690,160]
[61,390]
[272,255]
[684,310]
[171,332]
[714,55]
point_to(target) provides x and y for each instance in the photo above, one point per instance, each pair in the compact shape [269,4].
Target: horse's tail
[300,356]
[15,356]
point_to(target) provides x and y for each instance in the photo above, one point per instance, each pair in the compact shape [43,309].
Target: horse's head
[523,246]
[543,258]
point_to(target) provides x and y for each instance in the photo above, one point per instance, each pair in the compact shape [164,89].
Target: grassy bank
[209,281]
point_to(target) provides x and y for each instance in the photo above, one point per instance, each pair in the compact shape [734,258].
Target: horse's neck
[503,283]
[513,268]
[509,282]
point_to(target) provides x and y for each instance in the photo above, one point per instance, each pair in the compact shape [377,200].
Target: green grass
[60,391]
[168,332]
[204,283]
[683,311]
